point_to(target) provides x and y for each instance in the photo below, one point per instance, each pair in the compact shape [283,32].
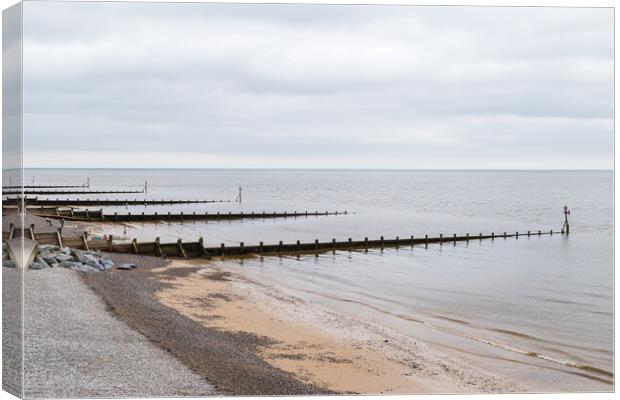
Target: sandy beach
[247,337]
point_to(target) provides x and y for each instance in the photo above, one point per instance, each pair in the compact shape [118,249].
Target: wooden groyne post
[566,226]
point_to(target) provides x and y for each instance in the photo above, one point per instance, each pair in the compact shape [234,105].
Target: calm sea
[537,309]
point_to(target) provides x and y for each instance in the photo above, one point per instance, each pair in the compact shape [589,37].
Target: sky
[316,86]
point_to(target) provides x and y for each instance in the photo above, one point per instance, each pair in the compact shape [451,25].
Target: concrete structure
[22,251]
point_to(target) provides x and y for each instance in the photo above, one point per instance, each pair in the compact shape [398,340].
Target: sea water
[534,309]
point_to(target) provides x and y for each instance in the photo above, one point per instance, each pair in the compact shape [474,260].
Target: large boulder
[36,265]
[41,262]
[61,257]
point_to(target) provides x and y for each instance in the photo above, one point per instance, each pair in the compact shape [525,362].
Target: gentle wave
[502,346]
[537,339]
[512,360]
[543,357]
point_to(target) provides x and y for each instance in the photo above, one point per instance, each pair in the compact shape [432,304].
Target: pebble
[77,349]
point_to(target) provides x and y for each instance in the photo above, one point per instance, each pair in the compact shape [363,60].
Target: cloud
[290,85]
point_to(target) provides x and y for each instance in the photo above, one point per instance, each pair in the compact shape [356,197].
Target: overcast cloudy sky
[315,86]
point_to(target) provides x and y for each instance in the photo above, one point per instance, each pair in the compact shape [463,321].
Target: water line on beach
[502,346]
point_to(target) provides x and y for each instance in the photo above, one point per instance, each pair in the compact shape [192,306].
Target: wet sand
[317,345]
[249,338]
[209,297]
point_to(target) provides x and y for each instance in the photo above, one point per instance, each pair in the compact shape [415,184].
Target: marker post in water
[566,227]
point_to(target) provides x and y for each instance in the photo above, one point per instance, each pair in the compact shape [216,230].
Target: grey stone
[75,259]
[50,260]
[107,263]
[98,266]
[8,264]
[66,264]
[64,257]
[126,266]
[78,255]
[41,261]
[84,268]
[90,260]
[74,265]
[36,265]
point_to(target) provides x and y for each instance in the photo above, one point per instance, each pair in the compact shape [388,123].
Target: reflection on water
[506,304]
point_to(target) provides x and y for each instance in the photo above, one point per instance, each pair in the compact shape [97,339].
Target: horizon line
[313,169]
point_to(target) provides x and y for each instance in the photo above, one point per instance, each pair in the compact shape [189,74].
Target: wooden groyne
[36,210]
[67,192]
[180,249]
[37,228]
[34,201]
[44,187]
[99,216]
[58,237]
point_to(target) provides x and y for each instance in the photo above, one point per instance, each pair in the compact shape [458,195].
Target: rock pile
[50,256]
[6,261]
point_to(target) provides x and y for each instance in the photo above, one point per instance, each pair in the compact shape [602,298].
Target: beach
[76,347]
[307,349]
[478,316]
